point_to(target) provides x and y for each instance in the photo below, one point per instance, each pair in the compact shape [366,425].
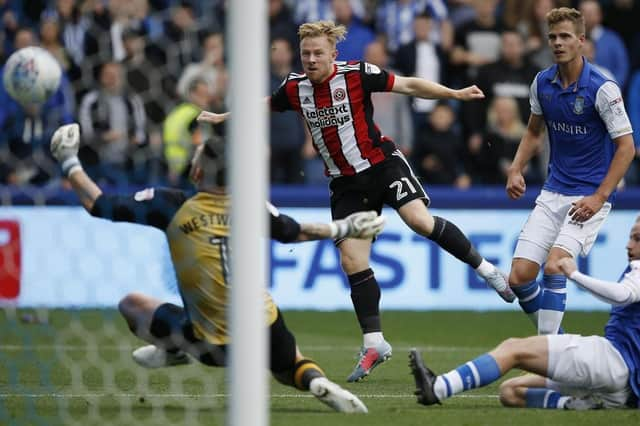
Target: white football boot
[335,397]
[497,281]
[151,356]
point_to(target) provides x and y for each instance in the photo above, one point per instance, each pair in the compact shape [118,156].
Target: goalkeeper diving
[197,230]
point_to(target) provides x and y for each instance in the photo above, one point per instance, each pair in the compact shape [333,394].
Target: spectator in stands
[437,150]
[287,129]
[477,42]
[394,21]
[207,69]
[73,26]
[140,80]
[460,12]
[104,34]
[178,47]
[24,37]
[501,140]
[10,14]
[113,124]
[513,12]
[351,48]
[510,76]
[24,134]
[50,40]
[611,52]
[322,10]
[281,24]
[181,132]
[534,30]
[391,112]
[422,58]
[149,86]
[150,24]
[26,129]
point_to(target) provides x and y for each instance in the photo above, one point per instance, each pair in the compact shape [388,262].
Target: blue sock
[529,296]
[479,372]
[544,398]
[554,300]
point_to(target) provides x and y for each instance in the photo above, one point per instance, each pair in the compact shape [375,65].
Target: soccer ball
[31,75]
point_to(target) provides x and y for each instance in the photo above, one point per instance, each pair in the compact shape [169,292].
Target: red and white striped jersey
[339,115]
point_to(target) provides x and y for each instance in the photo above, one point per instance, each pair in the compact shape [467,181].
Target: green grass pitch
[75,367]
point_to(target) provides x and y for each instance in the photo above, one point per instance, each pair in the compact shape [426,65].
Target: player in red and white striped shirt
[366,169]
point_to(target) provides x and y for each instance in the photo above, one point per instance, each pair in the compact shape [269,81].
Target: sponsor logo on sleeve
[617,106]
[371,69]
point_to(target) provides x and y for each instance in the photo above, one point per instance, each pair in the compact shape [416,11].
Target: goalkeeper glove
[64,147]
[358,225]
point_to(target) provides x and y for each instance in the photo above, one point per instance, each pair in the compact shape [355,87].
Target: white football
[31,75]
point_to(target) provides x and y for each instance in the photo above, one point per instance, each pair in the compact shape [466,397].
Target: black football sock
[365,295]
[450,237]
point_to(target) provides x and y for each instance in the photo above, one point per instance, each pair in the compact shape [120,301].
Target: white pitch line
[13,348]
[206,396]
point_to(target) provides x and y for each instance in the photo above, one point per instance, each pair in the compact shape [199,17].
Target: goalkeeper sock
[365,295]
[304,371]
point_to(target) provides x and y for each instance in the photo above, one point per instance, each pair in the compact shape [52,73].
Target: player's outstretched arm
[64,147]
[623,293]
[421,88]
[217,118]
[364,225]
[528,147]
[357,225]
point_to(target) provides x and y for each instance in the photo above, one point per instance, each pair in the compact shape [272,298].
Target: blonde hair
[516,128]
[329,29]
[560,14]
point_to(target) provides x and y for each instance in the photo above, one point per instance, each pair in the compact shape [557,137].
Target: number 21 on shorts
[398,186]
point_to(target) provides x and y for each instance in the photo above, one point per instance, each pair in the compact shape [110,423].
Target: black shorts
[391,182]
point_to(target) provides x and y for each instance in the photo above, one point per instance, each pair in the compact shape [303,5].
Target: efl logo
[10,259]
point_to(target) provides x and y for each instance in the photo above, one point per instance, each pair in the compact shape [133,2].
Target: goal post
[247,33]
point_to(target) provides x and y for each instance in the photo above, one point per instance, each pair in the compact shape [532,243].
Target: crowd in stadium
[138,72]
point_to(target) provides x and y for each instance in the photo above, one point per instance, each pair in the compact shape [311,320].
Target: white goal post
[247,32]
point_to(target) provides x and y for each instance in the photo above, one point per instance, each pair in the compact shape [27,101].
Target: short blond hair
[560,14]
[334,33]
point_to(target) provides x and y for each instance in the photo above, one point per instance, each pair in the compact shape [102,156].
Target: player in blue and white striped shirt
[591,147]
